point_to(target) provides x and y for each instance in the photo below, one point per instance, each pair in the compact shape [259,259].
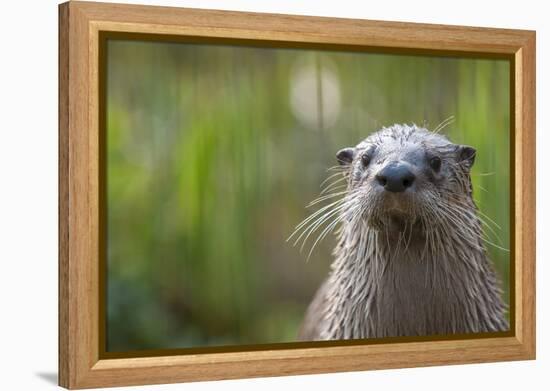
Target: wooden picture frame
[82,363]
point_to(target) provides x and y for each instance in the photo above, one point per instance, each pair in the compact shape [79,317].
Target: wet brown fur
[406,264]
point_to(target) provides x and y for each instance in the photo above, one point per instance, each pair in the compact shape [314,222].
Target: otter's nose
[395,177]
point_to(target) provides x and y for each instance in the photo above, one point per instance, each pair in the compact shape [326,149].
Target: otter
[410,258]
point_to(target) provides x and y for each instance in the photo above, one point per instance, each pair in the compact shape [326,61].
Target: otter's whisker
[472,216]
[495,245]
[338,175]
[487,225]
[312,225]
[481,188]
[318,222]
[483,174]
[443,124]
[468,210]
[338,182]
[461,229]
[334,187]
[325,197]
[313,215]
[325,232]
[338,168]
[336,219]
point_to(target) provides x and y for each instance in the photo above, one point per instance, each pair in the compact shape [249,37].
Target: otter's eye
[365,159]
[435,163]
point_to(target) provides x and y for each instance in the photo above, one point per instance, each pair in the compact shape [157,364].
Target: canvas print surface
[262,195]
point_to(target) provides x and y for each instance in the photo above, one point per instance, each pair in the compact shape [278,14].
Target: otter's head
[405,175]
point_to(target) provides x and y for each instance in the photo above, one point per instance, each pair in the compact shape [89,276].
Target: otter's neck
[385,285]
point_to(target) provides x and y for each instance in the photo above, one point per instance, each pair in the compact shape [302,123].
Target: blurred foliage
[214,151]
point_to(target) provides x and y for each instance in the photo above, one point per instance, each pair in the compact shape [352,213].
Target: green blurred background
[213,153]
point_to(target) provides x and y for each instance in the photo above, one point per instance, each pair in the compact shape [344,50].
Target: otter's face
[403,175]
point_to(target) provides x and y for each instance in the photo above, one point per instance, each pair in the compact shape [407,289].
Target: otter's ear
[466,155]
[345,156]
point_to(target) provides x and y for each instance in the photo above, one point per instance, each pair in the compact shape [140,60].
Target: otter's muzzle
[395,177]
